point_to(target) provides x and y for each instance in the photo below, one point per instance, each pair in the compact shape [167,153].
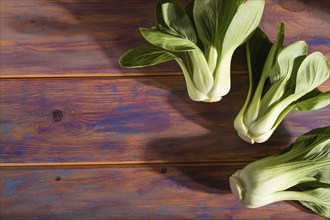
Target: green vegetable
[301,174]
[201,38]
[287,80]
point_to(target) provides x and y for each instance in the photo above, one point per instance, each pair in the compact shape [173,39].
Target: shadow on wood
[213,179]
[216,122]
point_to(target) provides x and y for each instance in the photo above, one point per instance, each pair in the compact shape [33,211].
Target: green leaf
[313,145]
[291,85]
[159,12]
[285,60]
[172,16]
[301,173]
[212,18]
[313,71]
[146,55]
[320,194]
[320,134]
[179,29]
[271,58]
[245,21]
[257,48]
[193,92]
[189,11]
[252,111]
[201,73]
[239,2]
[313,100]
[167,41]
[280,74]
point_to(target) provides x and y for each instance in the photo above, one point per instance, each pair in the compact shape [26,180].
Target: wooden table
[82,138]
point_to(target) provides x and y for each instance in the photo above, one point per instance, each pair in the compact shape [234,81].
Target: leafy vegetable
[287,80]
[302,174]
[202,38]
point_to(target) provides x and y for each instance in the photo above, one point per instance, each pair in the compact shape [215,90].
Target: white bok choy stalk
[282,78]
[201,38]
[301,174]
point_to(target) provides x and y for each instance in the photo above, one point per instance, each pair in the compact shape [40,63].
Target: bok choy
[301,174]
[282,78]
[201,38]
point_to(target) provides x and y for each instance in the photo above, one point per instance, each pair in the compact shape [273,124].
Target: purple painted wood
[127,120]
[130,193]
[86,38]
[130,119]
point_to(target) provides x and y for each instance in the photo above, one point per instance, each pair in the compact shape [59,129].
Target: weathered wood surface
[130,193]
[130,119]
[117,133]
[86,38]
[306,20]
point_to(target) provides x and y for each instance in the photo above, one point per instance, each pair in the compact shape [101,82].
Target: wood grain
[130,119]
[306,20]
[103,142]
[57,38]
[130,193]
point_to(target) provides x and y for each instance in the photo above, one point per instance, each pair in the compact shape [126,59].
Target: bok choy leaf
[202,38]
[302,174]
[287,80]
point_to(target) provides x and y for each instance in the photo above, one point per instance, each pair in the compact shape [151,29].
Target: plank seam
[118,164]
[59,76]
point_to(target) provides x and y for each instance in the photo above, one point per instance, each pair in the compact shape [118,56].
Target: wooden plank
[130,193]
[86,38]
[58,38]
[130,119]
[306,20]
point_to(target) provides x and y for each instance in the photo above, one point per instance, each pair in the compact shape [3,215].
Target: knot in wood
[164,170]
[57,115]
